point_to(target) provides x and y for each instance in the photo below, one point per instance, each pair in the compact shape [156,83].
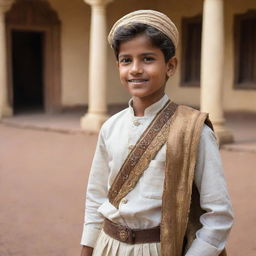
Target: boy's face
[143,69]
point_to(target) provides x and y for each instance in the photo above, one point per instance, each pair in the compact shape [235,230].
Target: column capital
[98,2]
[5,5]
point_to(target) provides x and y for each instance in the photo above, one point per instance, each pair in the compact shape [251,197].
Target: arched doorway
[33,34]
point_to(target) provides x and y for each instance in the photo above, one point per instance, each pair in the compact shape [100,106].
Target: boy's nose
[136,68]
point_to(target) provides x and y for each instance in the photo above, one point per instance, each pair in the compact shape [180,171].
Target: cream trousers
[108,246]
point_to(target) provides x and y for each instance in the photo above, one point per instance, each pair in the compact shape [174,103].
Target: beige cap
[153,18]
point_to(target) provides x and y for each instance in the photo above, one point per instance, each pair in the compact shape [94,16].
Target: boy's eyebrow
[148,53]
[124,55]
[142,54]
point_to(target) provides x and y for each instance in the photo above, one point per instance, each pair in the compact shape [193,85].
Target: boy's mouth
[137,81]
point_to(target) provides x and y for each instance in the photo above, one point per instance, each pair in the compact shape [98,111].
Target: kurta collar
[153,109]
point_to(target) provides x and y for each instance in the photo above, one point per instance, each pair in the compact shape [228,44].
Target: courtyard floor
[44,165]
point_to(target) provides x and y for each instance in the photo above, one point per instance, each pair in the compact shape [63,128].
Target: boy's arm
[96,194]
[218,219]
[86,251]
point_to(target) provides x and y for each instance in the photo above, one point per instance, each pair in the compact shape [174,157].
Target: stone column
[5,109]
[212,67]
[97,112]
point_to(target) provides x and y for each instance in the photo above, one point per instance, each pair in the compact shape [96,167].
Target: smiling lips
[137,81]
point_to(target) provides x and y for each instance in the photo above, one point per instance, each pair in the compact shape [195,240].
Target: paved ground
[42,183]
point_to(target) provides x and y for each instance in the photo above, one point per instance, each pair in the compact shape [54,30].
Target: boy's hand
[86,251]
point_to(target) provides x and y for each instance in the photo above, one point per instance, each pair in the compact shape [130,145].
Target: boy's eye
[125,60]
[148,59]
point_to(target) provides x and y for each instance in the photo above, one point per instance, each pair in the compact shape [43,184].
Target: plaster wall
[177,10]
[75,29]
[235,99]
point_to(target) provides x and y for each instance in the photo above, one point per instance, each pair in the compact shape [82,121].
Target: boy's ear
[171,66]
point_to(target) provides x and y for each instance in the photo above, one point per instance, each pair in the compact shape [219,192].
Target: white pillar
[212,67]
[97,112]
[5,109]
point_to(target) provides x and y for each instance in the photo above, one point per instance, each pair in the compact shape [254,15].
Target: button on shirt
[141,208]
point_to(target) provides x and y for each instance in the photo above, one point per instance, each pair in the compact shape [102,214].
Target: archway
[33,39]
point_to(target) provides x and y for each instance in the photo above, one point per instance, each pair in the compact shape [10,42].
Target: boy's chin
[138,93]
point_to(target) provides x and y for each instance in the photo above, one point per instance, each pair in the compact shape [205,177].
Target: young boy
[156,170]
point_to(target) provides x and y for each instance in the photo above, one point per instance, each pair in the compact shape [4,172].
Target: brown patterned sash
[144,151]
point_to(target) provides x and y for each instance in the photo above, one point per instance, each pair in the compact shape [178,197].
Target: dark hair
[158,39]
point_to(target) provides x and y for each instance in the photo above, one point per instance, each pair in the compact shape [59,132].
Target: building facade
[53,54]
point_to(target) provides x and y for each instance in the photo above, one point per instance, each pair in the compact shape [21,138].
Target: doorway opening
[27,70]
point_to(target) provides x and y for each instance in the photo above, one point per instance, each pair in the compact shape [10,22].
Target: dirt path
[42,184]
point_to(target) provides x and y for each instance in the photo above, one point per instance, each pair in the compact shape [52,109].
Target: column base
[92,121]
[7,111]
[224,135]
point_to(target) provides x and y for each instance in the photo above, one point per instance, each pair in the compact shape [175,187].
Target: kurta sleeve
[214,199]
[96,193]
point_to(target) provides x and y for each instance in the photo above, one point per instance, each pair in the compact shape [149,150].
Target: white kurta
[141,208]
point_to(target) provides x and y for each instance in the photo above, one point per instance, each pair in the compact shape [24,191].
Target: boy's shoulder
[188,112]
[185,109]
[207,132]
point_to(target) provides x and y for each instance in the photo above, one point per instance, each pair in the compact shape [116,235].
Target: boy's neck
[140,104]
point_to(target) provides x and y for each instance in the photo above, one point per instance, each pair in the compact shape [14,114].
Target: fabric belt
[131,236]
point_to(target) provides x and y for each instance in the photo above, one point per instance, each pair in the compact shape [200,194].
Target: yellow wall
[75,21]
[177,10]
[234,99]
